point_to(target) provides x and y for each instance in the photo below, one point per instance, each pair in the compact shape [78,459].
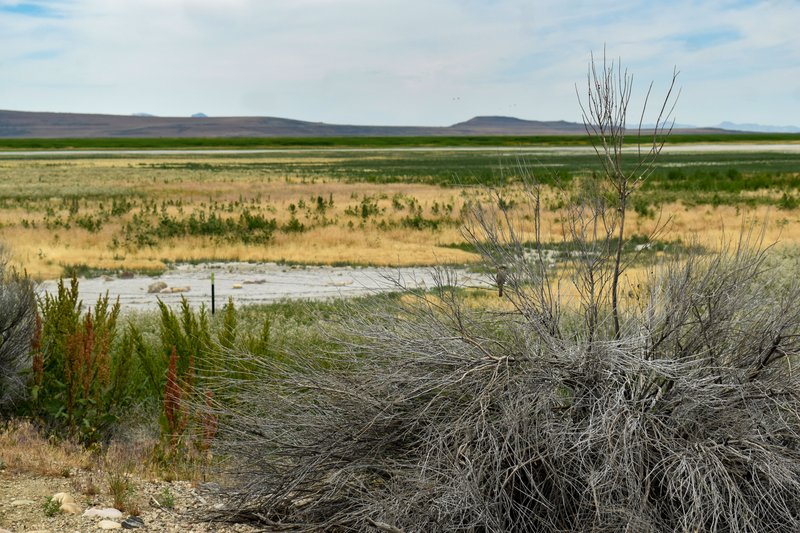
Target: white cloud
[393,61]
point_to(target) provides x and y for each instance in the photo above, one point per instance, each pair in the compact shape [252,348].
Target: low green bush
[73,390]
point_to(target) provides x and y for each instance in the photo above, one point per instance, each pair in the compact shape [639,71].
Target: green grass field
[361,142]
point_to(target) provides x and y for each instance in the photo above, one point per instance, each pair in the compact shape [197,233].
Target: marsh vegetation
[142,212]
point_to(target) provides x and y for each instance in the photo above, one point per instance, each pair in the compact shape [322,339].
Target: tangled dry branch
[17,327]
[434,416]
[675,408]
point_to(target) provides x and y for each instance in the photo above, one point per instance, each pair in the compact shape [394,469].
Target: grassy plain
[166,143]
[381,207]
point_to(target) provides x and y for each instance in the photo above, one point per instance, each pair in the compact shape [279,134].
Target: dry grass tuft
[23,449]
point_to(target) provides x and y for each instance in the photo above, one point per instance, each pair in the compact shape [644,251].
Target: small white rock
[103,512]
[155,287]
[70,508]
[62,497]
[109,524]
[18,503]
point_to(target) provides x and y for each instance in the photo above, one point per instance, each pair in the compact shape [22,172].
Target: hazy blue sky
[411,62]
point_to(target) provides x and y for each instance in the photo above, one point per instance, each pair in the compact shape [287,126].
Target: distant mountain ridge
[499,125]
[759,128]
[26,124]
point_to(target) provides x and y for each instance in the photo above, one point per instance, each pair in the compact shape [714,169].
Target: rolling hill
[24,124]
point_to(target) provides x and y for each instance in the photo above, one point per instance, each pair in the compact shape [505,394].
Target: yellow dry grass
[38,205]
[23,449]
[34,228]
[45,252]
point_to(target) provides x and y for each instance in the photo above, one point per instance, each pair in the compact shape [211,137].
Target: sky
[397,62]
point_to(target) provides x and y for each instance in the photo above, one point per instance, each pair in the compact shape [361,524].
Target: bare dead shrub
[439,417]
[675,408]
[17,329]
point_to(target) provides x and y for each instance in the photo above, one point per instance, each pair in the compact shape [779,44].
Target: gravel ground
[22,498]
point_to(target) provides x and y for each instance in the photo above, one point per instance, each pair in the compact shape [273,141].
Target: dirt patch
[189,502]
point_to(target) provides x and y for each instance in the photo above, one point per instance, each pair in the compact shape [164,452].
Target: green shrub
[78,387]
[293,226]
[166,498]
[51,507]
[188,333]
[788,201]
[122,490]
[227,333]
[191,357]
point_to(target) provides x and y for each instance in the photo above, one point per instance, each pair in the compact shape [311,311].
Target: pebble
[209,486]
[155,287]
[109,524]
[173,290]
[62,497]
[103,512]
[17,503]
[132,522]
[70,508]
[180,289]
[179,520]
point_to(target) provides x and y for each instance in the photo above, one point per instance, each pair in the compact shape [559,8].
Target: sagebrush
[589,402]
[18,326]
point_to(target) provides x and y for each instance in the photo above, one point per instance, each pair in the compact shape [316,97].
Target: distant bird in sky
[501,278]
